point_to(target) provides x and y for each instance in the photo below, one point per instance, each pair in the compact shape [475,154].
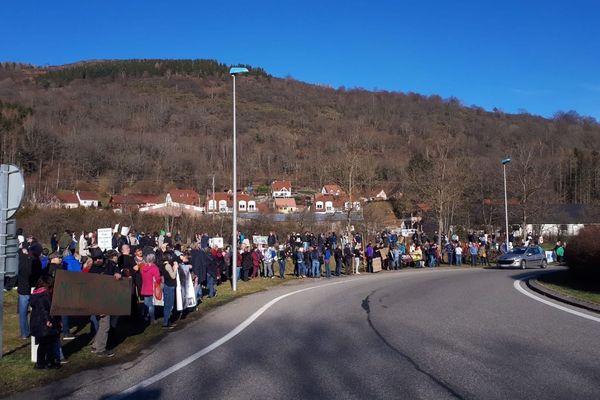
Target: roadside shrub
[582,254]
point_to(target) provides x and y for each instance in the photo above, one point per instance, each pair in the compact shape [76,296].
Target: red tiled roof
[243,196]
[90,196]
[337,201]
[279,185]
[142,198]
[185,196]
[333,189]
[67,197]
[285,202]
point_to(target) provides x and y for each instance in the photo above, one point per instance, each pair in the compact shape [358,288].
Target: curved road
[421,334]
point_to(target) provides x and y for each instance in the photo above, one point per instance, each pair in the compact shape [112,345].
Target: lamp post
[233,72]
[504,162]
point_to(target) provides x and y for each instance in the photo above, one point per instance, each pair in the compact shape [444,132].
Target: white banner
[104,237]
[260,239]
[215,242]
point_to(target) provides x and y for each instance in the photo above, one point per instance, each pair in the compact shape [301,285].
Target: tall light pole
[233,72]
[504,162]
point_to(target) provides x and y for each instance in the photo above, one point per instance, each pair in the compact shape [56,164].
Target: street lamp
[504,162]
[233,72]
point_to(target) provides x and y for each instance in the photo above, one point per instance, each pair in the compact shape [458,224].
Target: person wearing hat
[103,266]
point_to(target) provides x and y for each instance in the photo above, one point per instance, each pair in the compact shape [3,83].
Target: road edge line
[517,286]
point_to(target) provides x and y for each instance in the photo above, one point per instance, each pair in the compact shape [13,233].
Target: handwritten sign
[215,242]
[260,239]
[80,293]
[105,238]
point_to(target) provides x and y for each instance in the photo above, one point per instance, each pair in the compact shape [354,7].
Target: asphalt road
[427,334]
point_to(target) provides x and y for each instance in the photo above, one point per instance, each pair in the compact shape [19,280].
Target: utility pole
[213,199]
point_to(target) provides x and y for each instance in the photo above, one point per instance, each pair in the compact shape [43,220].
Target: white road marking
[234,332]
[238,329]
[518,286]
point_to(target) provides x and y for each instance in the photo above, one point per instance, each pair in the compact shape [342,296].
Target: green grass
[563,282]
[128,339]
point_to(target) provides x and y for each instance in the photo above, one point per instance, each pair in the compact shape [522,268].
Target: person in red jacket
[150,274]
[256,257]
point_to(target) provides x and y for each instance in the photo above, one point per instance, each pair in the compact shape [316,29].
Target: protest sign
[260,239]
[376,264]
[104,238]
[550,256]
[80,293]
[215,242]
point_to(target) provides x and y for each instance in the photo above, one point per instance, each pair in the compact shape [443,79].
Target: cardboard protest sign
[376,264]
[216,242]
[104,238]
[260,239]
[384,253]
[80,293]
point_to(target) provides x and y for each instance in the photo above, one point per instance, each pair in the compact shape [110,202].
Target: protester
[169,274]
[30,270]
[281,258]
[103,267]
[44,327]
[150,275]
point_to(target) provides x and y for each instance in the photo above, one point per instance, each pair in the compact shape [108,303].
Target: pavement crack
[365,305]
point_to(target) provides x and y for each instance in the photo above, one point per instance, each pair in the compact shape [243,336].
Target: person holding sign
[108,267]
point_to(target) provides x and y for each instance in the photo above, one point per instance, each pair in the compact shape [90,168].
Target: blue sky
[539,56]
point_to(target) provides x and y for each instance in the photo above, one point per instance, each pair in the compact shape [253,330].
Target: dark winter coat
[30,270]
[40,314]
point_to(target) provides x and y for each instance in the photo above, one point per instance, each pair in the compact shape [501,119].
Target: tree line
[148,125]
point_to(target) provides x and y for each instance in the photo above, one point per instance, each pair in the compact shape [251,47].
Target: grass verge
[127,340]
[563,282]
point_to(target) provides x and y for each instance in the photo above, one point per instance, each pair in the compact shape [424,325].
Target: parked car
[523,257]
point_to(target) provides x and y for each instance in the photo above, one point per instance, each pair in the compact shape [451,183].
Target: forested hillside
[146,125]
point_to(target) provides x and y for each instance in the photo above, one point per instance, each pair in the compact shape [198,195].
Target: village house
[281,189]
[327,203]
[177,202]
[376,195]
[88,199]
[132,201]
[66,200]
[333,190]
[563,220]
[222,202]
[285,205]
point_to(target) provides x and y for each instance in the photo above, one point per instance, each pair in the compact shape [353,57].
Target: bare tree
[531,179]
[438,178]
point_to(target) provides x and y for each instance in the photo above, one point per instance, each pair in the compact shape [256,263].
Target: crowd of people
[174,277]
